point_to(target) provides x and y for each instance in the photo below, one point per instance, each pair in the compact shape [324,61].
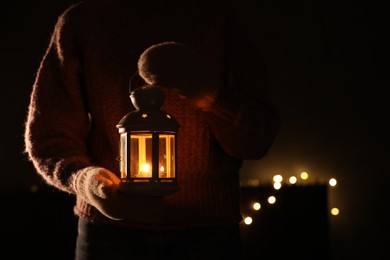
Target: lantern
[148,145]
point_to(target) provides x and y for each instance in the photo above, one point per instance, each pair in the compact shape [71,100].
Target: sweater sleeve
[57,122]
[243,119]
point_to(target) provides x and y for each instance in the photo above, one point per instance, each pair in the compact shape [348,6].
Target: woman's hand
[99,187]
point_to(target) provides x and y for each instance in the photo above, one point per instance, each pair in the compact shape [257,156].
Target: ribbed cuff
[82,182]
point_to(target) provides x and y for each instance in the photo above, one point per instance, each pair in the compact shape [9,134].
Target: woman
[225,117]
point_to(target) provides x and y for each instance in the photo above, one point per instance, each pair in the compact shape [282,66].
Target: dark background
[329,76]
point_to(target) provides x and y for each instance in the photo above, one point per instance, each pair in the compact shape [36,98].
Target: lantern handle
[131,79]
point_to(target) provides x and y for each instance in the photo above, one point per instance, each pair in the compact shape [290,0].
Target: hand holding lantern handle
[99,187]
[179,67]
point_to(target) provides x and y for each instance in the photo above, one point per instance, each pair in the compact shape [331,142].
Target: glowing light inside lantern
[145,169]
[147,145]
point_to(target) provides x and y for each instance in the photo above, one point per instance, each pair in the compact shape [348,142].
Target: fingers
[99,187]
[109,176]
[106,183]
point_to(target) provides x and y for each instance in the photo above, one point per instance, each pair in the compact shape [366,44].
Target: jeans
[96,242]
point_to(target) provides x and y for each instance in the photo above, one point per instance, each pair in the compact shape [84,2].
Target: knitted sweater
[81,92]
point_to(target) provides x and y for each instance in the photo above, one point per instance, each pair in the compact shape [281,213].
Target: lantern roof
[148,120]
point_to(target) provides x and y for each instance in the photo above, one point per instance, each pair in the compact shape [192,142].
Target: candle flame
[145,168]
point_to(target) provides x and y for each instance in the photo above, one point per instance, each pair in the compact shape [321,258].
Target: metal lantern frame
[145,133]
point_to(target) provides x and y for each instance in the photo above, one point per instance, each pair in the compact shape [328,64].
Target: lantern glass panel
[141,156]
[123,155]
[166,156]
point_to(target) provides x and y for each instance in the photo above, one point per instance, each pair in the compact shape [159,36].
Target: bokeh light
[256,206]
[271,199]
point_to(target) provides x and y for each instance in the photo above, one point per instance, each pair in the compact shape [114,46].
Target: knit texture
[81,92]
[92,183]
[99,187]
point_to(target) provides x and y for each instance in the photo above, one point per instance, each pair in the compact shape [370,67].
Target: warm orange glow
[145,169]
[144,161]
[167,156]
[123,155]
[253,182]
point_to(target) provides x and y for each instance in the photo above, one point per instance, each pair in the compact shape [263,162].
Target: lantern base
[148,188]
